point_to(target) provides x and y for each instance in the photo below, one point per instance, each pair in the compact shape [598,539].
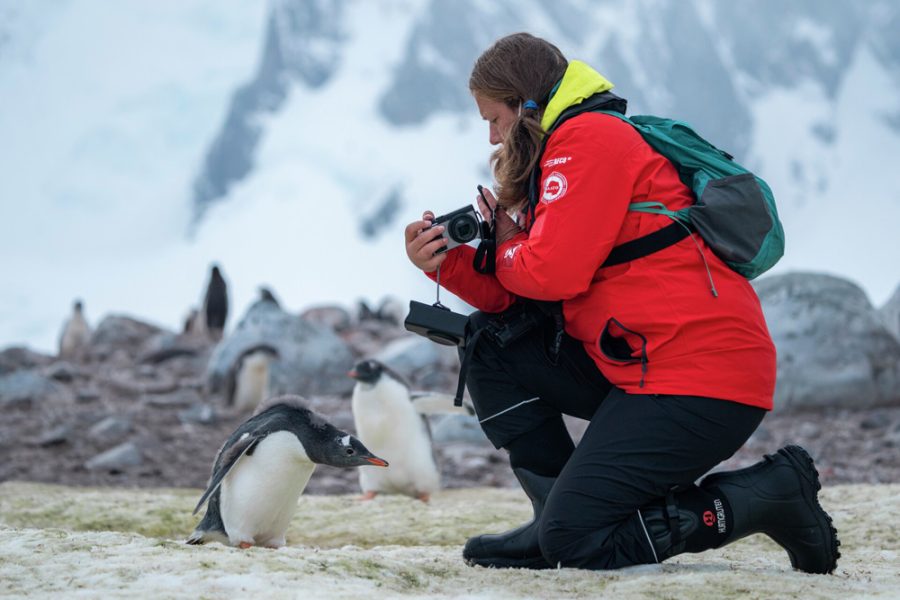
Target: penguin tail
[203,536]
[197,538]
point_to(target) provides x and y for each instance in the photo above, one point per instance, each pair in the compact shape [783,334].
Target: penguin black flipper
[228,457]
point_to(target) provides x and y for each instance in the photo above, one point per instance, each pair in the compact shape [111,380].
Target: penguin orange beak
[352,373]
[377,461]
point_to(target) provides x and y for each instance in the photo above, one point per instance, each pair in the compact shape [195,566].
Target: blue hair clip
[530,105]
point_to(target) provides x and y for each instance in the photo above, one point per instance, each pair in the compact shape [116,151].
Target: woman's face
[499,116]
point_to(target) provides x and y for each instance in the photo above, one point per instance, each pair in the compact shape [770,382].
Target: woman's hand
[422,241]
[504,227]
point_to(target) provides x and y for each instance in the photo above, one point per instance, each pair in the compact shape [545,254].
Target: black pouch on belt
[512,325]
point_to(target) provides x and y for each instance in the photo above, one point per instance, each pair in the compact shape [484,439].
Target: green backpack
[734,211]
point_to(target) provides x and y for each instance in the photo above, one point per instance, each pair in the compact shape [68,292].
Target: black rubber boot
[777,497]
[517,548]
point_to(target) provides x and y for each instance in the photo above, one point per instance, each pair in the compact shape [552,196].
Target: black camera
[461,227]
[437,323]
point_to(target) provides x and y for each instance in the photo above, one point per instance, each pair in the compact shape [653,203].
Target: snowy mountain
[292,142]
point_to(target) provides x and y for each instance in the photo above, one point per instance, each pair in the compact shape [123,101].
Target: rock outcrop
[833,347]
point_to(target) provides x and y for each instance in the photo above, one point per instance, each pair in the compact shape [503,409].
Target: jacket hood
[580,81]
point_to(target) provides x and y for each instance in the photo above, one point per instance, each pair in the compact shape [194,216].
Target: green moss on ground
[128,542]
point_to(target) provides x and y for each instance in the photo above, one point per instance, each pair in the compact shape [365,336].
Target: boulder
[200,413]
[117,459]
[118,334]
[110,428]
[312,359]
[833,347]
[333,316]
[890,314]
[423,362]
[59,435]
[457,428]
[62,371]
[25,388]
[16,358]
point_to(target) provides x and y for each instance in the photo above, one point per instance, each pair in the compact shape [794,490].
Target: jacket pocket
[623,345]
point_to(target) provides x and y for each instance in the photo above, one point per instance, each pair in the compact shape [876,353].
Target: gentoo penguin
[389,422]
[247,382]
[264,466]
[75,334]
[215,304]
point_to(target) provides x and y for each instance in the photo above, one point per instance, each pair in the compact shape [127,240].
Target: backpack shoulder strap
[647,244]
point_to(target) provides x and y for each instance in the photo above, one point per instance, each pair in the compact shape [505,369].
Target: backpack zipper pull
[712,285]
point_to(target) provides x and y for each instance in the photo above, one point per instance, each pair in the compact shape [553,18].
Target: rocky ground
[134,412]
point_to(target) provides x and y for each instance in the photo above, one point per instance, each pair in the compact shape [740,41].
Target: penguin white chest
[252,381]
[259,495]
[387,423]
[75,336]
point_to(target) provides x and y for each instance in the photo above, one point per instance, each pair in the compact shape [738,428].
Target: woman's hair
[517,68]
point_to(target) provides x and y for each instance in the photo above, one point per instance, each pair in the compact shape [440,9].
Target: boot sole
[810,486]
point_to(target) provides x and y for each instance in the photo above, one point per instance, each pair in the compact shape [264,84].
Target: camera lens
[463,229]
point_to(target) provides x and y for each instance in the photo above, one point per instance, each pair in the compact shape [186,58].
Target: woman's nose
[495,136]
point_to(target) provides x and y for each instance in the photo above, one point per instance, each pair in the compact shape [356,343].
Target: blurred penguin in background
[247,382]
[390,420]
[215,304]
[75,334]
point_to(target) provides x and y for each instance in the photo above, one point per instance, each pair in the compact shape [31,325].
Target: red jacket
[680,338]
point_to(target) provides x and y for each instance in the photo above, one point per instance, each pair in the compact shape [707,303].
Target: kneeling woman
[672,378]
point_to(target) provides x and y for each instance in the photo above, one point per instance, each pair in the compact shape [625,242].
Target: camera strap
[438,292]
[464,366]
[467,354]
[485,261]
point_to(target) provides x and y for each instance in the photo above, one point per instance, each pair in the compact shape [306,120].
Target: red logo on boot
[709,519]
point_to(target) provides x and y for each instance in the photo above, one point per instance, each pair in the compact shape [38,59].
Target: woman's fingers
[486,203]
[422,242]
[414,228]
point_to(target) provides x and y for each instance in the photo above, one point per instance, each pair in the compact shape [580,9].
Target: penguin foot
[424,497]
[370,495]
[245,545]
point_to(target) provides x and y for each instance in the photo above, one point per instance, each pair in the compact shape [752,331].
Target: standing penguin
[75,334]
[215,304]
[389,419]
[247,382]
[264,466]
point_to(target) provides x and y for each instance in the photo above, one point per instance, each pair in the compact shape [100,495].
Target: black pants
[636,449]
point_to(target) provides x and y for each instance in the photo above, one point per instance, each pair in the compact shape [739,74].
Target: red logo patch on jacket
[555,186]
